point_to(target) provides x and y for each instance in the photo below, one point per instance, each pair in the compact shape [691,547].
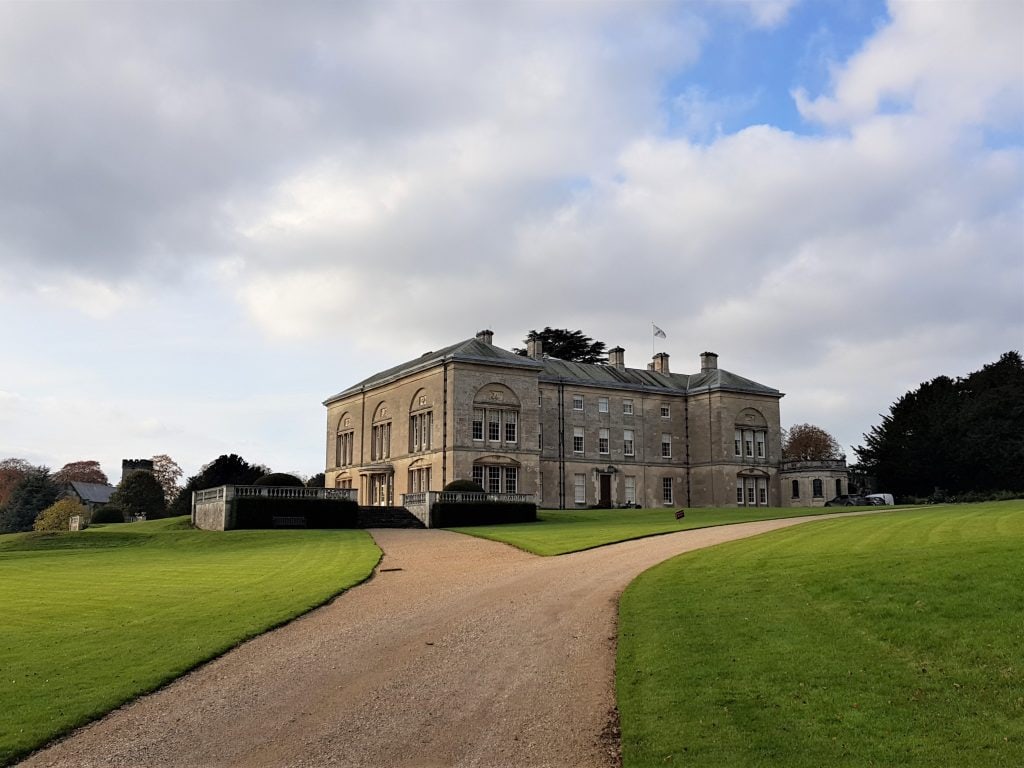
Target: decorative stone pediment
[497,459]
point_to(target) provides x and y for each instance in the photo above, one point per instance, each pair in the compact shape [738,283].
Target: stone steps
[388,517]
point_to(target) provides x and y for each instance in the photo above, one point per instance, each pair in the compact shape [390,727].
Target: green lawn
[561,531]
[885,640]
[93,619]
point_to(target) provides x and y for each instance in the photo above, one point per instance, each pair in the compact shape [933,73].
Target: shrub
[450,515]
[466,486]
[140,495]
[108,513]
[259,512]
[281,479]
[34,492]
[57,516]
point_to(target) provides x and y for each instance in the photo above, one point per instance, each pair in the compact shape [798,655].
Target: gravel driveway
[458,652]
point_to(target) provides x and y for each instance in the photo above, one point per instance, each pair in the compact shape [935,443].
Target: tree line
[953,437]
[33,498]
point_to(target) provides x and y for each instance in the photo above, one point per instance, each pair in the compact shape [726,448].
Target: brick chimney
[535,348]
[708,362]
[487,337]
[617,357]
[660,363]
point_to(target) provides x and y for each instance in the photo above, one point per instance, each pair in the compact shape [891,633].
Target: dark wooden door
[606,491]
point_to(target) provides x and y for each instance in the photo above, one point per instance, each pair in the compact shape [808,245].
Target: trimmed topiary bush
[449,515]
[465,486]
[259,512]
[108,513]
[280,479]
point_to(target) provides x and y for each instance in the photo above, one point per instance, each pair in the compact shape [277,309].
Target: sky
[215,215]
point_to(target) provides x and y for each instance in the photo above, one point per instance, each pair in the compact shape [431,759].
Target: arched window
[344,442]
[496,416]
[750,438]
[796,489]
[380,436]
[421,422]
[497,474]
[817,489]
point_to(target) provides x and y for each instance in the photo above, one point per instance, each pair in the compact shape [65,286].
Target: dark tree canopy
[81,471]
[564,344]
[280,479]
[227,469]
[962,435]
[316,481]
[140,495]
[34,492]
[806,442]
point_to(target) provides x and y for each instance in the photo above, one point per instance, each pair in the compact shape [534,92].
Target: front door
[606,491]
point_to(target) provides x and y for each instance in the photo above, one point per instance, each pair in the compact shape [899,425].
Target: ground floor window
[839,487]
[752,491]
[796,489]
[666,490]
[382,490]
[343,482]
[496,479]
[580,488]
[739,491]
[419,480]
[630,491]
[817,489]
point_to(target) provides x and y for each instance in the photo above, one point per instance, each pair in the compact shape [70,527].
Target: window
[748,443]
[839,487]
[630,489]
[511,480]
[816,489]
[343,451]
[602,405]
[511,423]
[627,407]
[666,446]
[478,424]
[420,425]
[750,493]
[494,479]
[419,480]
[739,492]
[577,402]
[380,448]
[796,489]
[540,439]
[627,442]
[577,439]
[760,444]
[494,425]
[666,412]
[666,490]
[580,488]
[737,440]
[762,493]
[478,475]
[603,441]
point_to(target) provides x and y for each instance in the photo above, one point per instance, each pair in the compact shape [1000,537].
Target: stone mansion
[571,434]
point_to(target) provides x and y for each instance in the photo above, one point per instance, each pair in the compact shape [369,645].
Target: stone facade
[812,483]
[574,435]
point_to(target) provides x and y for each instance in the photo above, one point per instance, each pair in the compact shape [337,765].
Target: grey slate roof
[95,493]
[470,350]
[553,370]
[642,379]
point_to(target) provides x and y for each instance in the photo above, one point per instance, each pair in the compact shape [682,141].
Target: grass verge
[888,640]
[560,531]
[94,619]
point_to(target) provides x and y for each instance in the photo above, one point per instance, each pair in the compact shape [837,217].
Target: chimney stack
[660,363]
[487,337]
[617,357]
[708,362]
[535,348]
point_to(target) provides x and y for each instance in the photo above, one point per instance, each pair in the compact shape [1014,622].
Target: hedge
[451,515]
[259,512]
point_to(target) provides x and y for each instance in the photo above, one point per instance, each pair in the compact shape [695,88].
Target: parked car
[848,500]
[880,499]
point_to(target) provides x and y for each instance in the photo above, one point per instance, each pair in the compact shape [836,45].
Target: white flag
[658,332]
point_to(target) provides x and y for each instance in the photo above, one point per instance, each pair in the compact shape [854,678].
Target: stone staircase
[388,517]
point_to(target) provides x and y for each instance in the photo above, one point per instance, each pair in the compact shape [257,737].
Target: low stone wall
[213,509]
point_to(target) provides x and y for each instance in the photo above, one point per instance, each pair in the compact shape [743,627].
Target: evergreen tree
[227,469]
[140,495]
[563,344]
[35,492]
[955,435]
